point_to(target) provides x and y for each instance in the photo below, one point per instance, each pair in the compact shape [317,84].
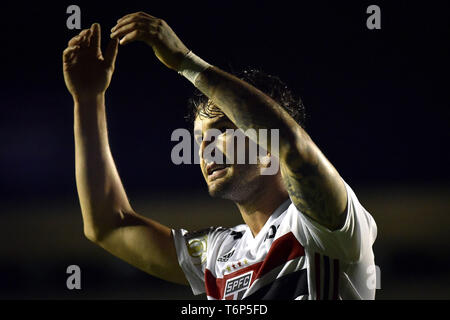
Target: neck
[257,209]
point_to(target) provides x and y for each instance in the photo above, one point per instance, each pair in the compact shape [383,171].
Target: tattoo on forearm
[302,186]
[246,106]
[310,189]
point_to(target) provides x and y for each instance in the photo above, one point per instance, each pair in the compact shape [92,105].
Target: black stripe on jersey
[329,272]
[317,270]
[335,279]
[326,277]
[236,234]
[287,287]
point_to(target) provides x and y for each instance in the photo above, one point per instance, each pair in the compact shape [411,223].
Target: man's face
[229,181]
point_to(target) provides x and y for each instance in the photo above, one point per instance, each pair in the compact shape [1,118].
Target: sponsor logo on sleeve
[197,249]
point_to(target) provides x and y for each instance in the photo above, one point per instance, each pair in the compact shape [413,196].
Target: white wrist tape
[192,66]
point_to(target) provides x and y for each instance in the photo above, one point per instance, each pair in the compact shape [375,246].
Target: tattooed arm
[312,182]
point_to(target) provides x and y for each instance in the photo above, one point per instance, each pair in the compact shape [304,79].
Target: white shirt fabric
[292,257]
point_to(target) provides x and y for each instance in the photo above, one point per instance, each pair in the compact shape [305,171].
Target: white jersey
[292,257]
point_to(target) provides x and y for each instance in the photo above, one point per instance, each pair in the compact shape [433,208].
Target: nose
[209,156]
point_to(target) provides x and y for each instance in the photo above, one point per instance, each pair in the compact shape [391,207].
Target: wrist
[191,66]
[89,98]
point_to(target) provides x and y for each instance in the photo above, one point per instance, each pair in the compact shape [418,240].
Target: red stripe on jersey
[281,251]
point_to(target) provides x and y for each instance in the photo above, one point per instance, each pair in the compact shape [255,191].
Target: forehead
[202,123]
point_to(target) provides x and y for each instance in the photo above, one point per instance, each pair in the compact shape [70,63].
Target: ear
[269,165]
[266,160]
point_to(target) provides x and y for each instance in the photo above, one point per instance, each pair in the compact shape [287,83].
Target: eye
[223,129]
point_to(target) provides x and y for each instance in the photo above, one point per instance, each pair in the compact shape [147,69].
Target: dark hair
[269,84]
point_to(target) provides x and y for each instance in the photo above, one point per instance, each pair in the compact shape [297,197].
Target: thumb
[111,52]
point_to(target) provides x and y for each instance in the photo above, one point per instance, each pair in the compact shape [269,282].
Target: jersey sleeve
[351,242]
[192,252]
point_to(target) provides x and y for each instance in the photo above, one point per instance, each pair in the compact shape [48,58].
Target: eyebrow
[215,123]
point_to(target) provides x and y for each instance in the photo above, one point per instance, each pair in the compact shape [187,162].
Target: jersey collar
[277,212]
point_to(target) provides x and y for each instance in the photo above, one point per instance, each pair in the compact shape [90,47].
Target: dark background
[377,104]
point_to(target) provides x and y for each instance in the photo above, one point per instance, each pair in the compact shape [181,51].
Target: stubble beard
[234,187]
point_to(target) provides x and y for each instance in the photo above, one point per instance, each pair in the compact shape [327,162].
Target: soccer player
[306,235]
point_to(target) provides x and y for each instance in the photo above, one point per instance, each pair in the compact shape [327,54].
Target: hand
[156,33]
[87,72]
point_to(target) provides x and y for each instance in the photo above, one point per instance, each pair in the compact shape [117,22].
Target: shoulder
[232,234]
[216,233]
[352,241]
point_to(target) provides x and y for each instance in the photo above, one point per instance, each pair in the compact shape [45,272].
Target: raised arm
[313,183]
[109,220]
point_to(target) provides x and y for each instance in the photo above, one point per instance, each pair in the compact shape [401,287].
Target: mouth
[216,171]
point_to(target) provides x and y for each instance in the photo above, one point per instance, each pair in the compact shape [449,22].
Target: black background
[377,100]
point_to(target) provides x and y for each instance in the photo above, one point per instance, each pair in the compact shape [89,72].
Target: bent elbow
[93,234]
[90,235]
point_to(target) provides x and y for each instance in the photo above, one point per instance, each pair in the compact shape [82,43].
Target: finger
[85,38]
[88,37]
[72,48]
[122,31]
[130,37]
[133,19]
[137,14]
[74,41]
[111,52]
[96,37]
[69,53]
